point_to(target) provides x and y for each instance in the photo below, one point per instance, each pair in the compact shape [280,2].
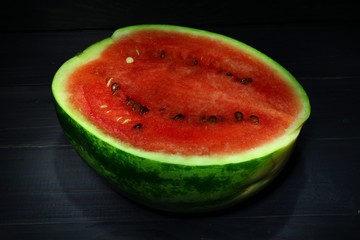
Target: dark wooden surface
[105,14]
[48,192]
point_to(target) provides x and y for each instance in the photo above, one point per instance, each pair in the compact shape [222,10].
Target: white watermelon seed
[129,60]
[109,82]
[126,121]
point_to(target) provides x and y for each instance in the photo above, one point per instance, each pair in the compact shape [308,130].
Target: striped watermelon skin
[173,187]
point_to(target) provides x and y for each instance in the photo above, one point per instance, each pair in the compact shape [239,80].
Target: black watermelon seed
[229,74]
[115,87]
[238,116]
[196,62]
[137,126]
[136,106]
[212,119]
[143,110]
[245,80]
[179,116]
[162,54]
[129,101]
[254,119]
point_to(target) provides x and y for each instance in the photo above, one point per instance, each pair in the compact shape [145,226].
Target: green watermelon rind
[174,182]
[173,187]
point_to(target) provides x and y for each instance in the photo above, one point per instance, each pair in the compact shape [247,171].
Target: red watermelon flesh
[177,93]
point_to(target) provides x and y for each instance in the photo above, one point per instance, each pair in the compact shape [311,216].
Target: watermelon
[180,119]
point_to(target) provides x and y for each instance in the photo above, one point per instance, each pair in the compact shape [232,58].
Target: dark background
[111,14]
[48,192]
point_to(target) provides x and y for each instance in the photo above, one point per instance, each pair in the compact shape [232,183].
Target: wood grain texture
[48,192]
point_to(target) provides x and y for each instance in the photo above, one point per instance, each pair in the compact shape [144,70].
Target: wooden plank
[281,227]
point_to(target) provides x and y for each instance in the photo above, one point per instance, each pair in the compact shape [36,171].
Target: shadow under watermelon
[93,201]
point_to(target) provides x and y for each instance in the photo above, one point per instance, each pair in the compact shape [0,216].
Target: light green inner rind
[94,51]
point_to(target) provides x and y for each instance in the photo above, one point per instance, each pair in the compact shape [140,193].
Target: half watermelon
[180,119]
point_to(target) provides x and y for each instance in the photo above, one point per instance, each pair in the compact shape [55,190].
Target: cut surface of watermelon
[178,96]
